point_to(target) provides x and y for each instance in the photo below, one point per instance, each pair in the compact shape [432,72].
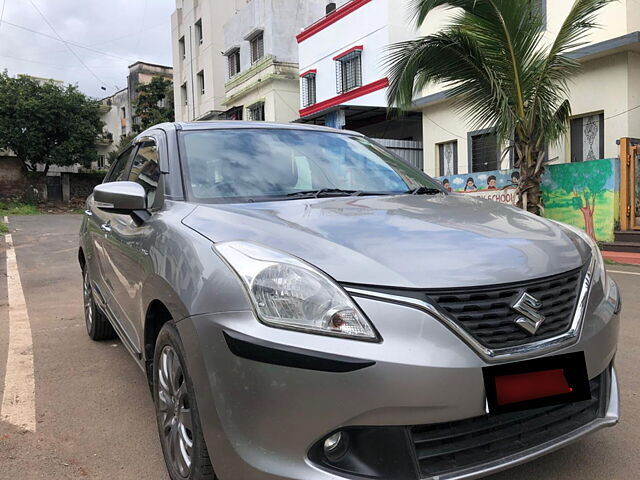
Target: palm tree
[501,72]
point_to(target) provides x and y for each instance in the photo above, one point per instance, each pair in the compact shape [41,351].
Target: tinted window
[119,171]
[145,169]
[257,163]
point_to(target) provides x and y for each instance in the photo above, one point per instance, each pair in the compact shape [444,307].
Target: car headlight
[287,292]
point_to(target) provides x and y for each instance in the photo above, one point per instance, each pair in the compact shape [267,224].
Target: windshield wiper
[324,192]
[425,191]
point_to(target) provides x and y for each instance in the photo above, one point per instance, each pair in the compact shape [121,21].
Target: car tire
[98,326]
[183,446]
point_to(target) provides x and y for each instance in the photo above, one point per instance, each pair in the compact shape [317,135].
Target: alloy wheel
[174,412]
[87,296]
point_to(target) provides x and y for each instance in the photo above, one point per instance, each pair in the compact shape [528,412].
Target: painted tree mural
[584,182]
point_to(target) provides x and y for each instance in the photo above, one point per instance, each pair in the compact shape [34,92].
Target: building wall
[273,79]
[614,76]
[373,26]
[205,57]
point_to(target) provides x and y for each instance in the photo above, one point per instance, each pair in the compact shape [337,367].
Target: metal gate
[410,151]
[629,184]
[54,188]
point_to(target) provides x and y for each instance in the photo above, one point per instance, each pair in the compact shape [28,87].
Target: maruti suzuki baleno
[307,306]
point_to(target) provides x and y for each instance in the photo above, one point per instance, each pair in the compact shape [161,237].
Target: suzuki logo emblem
[528,306]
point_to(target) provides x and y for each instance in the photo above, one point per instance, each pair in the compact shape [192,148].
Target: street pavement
[94,414]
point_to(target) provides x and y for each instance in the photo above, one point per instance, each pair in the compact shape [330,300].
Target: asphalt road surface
[93,415]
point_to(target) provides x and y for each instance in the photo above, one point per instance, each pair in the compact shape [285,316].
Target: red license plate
[536,383]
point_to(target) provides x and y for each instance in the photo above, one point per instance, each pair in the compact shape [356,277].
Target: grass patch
[15,208]
[611,262]
[4,228]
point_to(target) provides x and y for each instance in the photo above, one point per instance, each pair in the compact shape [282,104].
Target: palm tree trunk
[529,194]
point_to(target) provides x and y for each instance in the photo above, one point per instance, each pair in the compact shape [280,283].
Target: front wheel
[183,446]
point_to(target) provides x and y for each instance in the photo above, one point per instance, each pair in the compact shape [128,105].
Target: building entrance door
[629,184]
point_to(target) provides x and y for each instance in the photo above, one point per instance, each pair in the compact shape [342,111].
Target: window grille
[308,89]
[484,151]
[448,158]
[233,62]
[234,113]
[257,47]
[256,112]
[349,71]
[587,138]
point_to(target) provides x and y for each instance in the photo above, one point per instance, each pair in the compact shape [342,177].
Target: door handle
[106,227]
[88,213]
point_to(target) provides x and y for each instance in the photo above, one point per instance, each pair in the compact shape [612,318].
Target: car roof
[238,124]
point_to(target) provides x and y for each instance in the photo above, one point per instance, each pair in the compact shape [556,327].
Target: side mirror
[124,197]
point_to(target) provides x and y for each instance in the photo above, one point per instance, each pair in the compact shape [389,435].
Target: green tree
[584,182]
[501,73]
[43,123]
[154,103]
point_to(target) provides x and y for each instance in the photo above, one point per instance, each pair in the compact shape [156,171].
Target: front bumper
[262,418]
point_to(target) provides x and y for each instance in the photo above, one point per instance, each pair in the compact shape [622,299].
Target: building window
[587,138]
[256,112]
[182,51]
[201,81]
[308,88]
[483,151]
[448,153]
[198,28]
[102,162]
[183,94]
[349,70]
[233,62]
[234,113]
[257,47]
[541,5]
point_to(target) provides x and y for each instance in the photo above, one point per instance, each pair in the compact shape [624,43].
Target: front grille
[449,447]
[486,313]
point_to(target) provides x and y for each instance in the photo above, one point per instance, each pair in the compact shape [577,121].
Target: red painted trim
[330,19]
[308,72]
[352,49]
[345,97]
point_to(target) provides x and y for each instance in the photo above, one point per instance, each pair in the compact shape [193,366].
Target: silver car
[307,306]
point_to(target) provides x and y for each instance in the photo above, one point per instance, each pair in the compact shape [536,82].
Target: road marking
[18,400]
[623,272]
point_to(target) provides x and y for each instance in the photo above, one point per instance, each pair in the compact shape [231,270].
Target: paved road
[94,414]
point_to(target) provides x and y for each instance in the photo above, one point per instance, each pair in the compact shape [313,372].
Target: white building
[604,97]
[117,111]
[343,75]
[261,58]
[197,38]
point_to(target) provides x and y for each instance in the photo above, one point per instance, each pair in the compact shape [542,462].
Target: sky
[116,32]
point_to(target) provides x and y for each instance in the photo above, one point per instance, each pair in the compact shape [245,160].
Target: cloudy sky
[108,35]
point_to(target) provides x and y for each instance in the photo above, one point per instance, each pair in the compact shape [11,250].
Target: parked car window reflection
[267,164]
[145,170]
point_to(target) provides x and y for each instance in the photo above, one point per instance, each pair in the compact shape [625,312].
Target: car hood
[403,241]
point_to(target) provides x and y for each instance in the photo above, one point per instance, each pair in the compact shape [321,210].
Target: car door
[128,261]
[98,224]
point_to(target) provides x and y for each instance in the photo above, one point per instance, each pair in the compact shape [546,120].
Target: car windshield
[278,164]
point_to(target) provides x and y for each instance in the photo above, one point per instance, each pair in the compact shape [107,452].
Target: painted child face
[469,183]
[492,183]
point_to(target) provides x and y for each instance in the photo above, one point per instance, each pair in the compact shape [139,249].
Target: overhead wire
[103,83]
